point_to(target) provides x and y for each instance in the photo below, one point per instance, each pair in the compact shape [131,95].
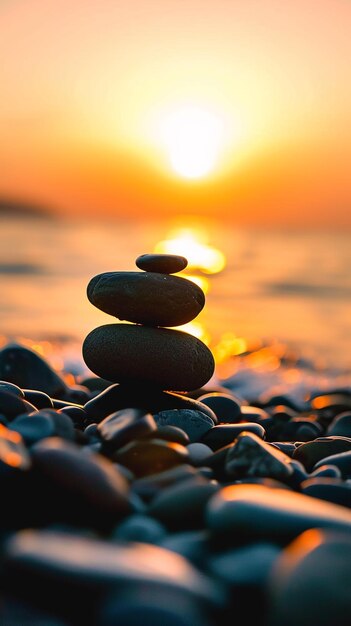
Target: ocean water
[283,287]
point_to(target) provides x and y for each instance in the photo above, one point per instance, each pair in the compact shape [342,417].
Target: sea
[287,288]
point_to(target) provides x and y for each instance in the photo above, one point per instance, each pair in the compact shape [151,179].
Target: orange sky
[86,84]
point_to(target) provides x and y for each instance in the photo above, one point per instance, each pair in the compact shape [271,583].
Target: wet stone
[161,263]
[148,298]
[198,452]
[12,405]
[28,370]
[223,434]
[168,359]
[124,426]
[11,388]
[91,484]
[76,414]
[251,456]
[226,407]
[310,453]
[33,428]
[279,514]
[39,399]
[151,456]
[194,423]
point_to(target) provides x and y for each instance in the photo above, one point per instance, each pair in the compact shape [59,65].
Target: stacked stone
[147,350]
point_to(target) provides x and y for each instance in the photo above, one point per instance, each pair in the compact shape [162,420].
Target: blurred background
[217,130]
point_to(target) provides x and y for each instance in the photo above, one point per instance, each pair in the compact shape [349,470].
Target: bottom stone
[169,359]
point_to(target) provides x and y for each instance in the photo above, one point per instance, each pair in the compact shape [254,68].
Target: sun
[193,137]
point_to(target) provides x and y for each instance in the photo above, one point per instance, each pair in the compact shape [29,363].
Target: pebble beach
[155,485]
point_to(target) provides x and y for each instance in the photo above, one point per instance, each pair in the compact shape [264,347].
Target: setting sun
[192,137]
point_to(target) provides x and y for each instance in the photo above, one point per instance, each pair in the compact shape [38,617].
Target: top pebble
[162,263]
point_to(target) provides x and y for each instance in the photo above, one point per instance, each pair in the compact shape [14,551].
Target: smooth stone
[146,298]
[251,413]
[6,386]
[64,426]
[95,383]
[342,460]
[223,434]
[89,481]
[312,452]
[226,407]
[172,433]
[150,456]
[28,370]
[63,404]
[124,426]
[194,423]
[161,263]
[149,486]
[152,400]
[340,426]
[37,563]
[198,452]
[307,583]
[251,456]
[12,405]
[39,399]
[329,489]
[182,506]
[280,514]
[13,454]
[139,528]
[33,428]
[267,400]
[168,359]
[76,414]
[244,566]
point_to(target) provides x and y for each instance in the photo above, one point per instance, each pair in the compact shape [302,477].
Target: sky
[107,107]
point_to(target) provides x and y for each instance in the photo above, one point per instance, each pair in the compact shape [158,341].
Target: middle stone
[146,297]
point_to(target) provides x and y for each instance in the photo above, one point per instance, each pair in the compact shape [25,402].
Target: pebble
[148,298]
[161,263]
[257,510]
[194,423]
[167,359]
[226,407]
[310,453]
[150,456]
[173,433]
[139,528]
[12,405]
[26,369]
[340,426]
[329,489]
[342,460]
[149,486]
[123,426]
[306,584]
[223,434]
[251,456]
[39,399]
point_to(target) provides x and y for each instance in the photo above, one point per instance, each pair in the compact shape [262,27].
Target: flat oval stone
[39,399]
[146,297]
[280,513]
[162,263]
[12,405]
[312,452]
[226,407]
[167,359]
